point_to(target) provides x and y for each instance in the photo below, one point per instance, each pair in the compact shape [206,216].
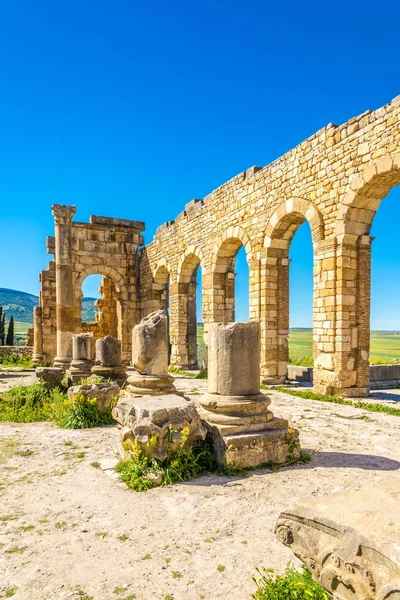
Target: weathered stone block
[159,424]
[349,541]
[51,376]
[150,344]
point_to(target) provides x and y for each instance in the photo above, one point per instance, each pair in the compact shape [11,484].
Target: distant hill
[20,305]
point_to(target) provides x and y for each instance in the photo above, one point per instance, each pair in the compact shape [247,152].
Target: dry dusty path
[66,526]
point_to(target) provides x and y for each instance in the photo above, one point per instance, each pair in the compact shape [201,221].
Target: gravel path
[65,526]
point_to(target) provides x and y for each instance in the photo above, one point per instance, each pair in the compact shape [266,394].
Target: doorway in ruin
[385,282]
[189,326]
[301,283]
[97,307]
[161,297]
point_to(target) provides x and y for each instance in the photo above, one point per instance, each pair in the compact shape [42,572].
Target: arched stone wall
[334,180]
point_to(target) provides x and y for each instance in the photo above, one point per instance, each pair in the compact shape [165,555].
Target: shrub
[80,412]
[302,360]
[292,585]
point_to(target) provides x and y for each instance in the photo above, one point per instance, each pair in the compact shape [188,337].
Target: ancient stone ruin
[335,180]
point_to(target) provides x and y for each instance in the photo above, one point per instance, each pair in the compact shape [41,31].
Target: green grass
[13,360]
[292,585]
[369,406]
[27,404]
[385,347]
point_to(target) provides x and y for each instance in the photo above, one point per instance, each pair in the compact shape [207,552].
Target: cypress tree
[1,326]
[10,332]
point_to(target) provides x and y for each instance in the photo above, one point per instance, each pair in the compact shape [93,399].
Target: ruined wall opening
[161,297]
[283,226]
[189,350]
[97,307]
[301,284]
[231,282]
[385,282]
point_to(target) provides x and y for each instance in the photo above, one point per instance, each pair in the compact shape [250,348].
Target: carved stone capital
[63,214]
[349,541]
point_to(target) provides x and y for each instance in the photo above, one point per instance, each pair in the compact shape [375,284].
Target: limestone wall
[335,180]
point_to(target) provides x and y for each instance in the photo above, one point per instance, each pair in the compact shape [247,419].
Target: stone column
[82,356]
[64,284]
[37,335]
[243,429]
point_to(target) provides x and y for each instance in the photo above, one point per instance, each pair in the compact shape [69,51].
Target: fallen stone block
[349,541]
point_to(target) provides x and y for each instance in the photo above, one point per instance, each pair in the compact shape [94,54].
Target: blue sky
[132,109]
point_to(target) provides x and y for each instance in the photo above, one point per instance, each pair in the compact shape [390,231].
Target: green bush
[27,404]
[292,585]
[80,412]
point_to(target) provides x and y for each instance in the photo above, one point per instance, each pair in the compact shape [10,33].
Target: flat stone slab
[349,541]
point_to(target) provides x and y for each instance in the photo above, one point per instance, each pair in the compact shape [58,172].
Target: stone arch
[280,230]
[222,293]
[365,193]
[288,217]
[350,363]
[112,306]
[190,260]
[161,283]
[184,327]
[228,244]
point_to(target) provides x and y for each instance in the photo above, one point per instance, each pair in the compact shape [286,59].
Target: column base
[276,444]
[62,362]
[273,380]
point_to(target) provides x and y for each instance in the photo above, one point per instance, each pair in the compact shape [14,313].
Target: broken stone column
[244,431]
[349,541]
[38,356]
[150,357]
[108,360]
[82,357]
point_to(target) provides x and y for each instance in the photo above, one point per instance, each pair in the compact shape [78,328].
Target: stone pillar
[108,360]
[243,429]
[64,284]
[82,357]
[342,337]
[38,335]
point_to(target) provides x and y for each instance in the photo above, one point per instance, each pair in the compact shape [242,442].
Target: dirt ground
[67,530]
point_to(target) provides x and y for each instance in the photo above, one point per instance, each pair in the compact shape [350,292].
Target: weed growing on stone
[292,584]
[370,406]
[141,473]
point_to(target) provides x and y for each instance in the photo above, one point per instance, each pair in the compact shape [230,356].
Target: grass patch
[27,404]
[292,585]
[202,374]
[369,406]
[13,360]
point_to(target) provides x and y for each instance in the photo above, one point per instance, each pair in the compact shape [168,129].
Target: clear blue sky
[132,109]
